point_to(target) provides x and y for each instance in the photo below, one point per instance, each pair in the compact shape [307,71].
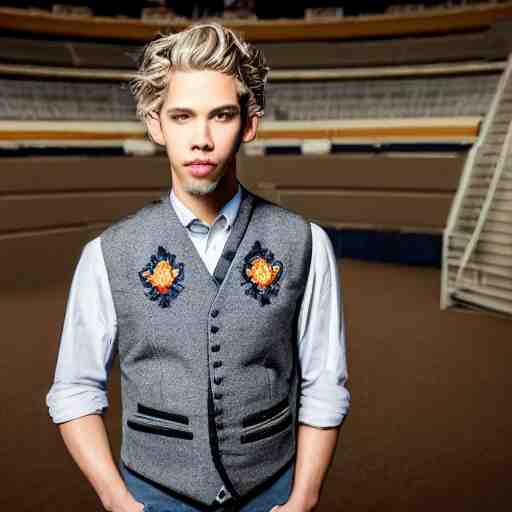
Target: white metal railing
[465,179]
[486,125]
[486,206]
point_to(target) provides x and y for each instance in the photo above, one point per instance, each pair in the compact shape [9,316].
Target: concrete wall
[387,191]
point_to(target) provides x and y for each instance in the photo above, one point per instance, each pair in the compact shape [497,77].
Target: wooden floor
[430,423]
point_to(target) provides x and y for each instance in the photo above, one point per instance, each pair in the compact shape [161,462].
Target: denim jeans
[156,499]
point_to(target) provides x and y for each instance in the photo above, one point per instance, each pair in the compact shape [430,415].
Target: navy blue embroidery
[261,273]
[162,277]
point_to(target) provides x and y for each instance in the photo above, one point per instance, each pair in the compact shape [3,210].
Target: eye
[179,117]
[225,116]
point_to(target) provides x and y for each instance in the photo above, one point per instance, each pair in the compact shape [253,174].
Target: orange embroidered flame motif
[262,273]
[163,276]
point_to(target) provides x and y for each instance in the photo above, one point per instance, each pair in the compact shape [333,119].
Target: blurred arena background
[388,123]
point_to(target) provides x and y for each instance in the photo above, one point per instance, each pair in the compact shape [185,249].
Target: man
[224,308]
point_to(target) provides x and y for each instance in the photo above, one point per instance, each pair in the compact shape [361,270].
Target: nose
[202,137]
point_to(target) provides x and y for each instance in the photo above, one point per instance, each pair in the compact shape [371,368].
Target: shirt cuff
[66,404]
[318,413]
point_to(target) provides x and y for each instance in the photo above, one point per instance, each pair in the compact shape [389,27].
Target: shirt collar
[229,210]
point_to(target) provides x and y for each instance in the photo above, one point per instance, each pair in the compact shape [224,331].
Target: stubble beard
[201,189]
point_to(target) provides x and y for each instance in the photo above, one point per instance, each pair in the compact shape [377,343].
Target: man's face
[200,124]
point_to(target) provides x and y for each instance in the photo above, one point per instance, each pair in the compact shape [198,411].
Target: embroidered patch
[261,273]
[162,277]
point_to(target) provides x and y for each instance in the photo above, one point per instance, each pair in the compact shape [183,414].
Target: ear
[155,128]
[250,129]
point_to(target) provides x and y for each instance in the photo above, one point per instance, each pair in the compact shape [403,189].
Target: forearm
[315,451]
[87,441]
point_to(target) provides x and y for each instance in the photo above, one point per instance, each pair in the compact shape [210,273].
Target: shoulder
[324,257]
[132,224]
[320,236]
[91,248]
[90,261]
[281,216]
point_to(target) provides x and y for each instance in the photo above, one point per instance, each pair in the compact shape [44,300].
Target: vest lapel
[235,237]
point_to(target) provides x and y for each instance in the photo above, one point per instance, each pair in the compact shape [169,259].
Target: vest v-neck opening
[235,237]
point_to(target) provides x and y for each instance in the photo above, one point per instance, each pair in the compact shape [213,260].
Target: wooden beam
[382,129]
[438,129]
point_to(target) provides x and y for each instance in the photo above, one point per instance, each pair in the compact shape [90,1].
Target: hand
[136,506]
[294,504]
[128,504]
[289,507]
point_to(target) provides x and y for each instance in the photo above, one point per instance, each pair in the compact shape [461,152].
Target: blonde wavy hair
[208,46]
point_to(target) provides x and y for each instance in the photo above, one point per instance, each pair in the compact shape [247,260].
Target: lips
[200,168]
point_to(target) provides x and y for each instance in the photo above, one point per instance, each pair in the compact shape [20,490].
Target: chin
[201,189]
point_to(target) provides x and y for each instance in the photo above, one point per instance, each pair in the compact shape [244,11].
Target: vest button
[217,380]
[215,348]
[218,411]
[220,426]
[215,312]
[217,395]
[214,328]
[217,364]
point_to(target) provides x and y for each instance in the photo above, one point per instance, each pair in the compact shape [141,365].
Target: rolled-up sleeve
[87,341]
[324,398]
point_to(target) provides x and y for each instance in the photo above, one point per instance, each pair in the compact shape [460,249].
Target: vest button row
[214,328]
[215,348]
[217,364]
[217,380]
[215,312]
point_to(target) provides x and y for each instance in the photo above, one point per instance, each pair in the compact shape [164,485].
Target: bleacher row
[381,98]
[32,99]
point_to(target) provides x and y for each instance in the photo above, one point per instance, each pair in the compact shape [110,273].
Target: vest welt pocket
[279,420]
[266,414]
[154,421]
[160,429]
[163,415]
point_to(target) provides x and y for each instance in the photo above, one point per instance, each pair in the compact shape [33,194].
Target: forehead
[200,89]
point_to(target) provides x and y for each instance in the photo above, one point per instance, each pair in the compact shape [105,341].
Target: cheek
[176,140]
[227,138]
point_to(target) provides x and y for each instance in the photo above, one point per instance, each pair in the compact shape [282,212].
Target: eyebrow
[216,110]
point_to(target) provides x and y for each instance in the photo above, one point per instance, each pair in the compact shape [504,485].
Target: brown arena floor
[429,427]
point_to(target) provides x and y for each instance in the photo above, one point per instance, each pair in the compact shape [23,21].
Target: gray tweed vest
[209,366]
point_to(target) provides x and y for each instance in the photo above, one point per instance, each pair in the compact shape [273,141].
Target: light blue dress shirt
[87,345]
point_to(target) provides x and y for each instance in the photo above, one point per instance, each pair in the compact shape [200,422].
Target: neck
[207,207]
